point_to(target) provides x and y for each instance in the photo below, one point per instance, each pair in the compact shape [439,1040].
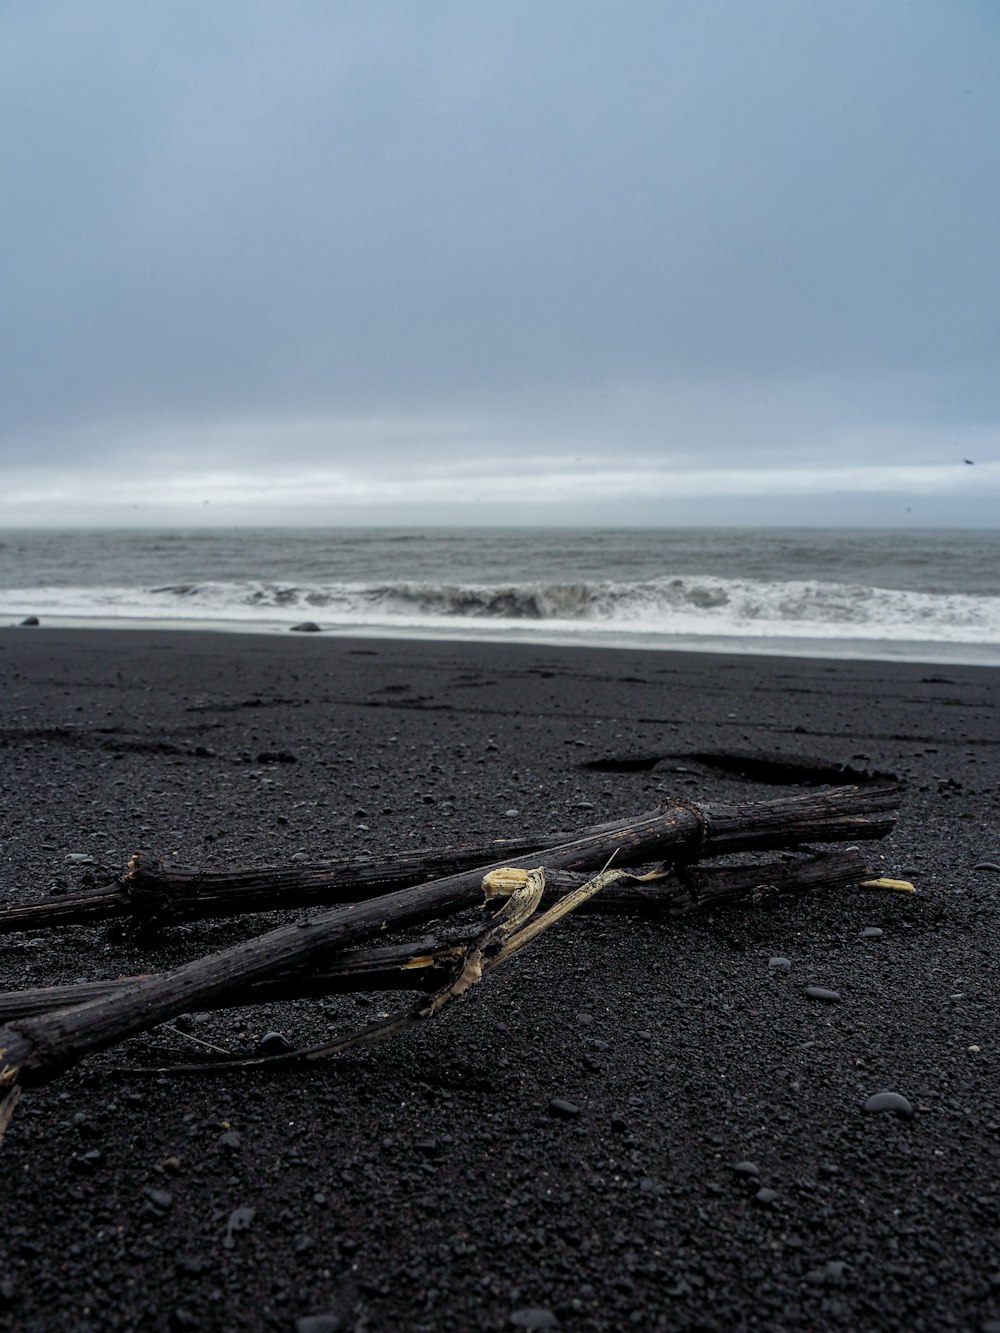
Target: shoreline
[916,652]
[425,1184]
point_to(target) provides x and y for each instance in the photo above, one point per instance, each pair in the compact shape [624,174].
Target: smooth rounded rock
[563,1109]
[779,964]
[274,1043]
[307,627]
[823,995]
[534,1317]
[746,1169]
[895,1103]
[161,1199]
[318,1323]
[872,933]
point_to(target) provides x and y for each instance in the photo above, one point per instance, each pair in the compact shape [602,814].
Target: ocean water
[930,596]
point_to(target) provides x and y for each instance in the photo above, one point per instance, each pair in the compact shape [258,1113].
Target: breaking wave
[681,605]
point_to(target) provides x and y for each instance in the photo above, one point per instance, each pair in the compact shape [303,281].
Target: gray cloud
[712,235]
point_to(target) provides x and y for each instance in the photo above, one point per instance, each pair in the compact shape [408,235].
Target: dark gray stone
[161,1199]
[534,1317]
[894,1103]
[318,1323]
[274,1043]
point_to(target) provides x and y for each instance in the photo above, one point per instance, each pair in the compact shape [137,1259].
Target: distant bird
[969,461]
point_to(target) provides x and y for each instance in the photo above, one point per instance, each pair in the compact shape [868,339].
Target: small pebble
[87,1162]
[871,933]
[230,1140]
[318,1323]
[830,1274]
[239,1220]
[274,1043]
[893,1102]
[534,1317]
[80,858]
[746,1169]
[766,1196]
[563,1109]
[779,964]
[823,995]
[160,1199]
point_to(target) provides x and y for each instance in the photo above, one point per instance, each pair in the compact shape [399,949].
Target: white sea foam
[682,605]
[921,595]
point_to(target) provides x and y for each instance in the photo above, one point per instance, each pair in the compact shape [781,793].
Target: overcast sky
[500,260]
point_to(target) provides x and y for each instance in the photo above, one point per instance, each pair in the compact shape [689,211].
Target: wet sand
[426,1184]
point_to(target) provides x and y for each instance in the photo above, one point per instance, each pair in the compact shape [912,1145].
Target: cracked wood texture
[36,1049]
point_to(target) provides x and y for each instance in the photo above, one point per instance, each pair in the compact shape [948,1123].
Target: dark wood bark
[80,909]
[35,1049]
[425,965]
[153,892]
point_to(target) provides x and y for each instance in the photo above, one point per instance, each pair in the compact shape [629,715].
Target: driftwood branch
[35,1049]
[425,965]
[151,892]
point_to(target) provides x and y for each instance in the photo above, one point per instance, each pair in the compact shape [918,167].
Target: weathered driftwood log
[520,921]
[424,965]
[33,1050]
[150,891]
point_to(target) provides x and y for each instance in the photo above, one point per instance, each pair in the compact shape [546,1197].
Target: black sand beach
[425,1184]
